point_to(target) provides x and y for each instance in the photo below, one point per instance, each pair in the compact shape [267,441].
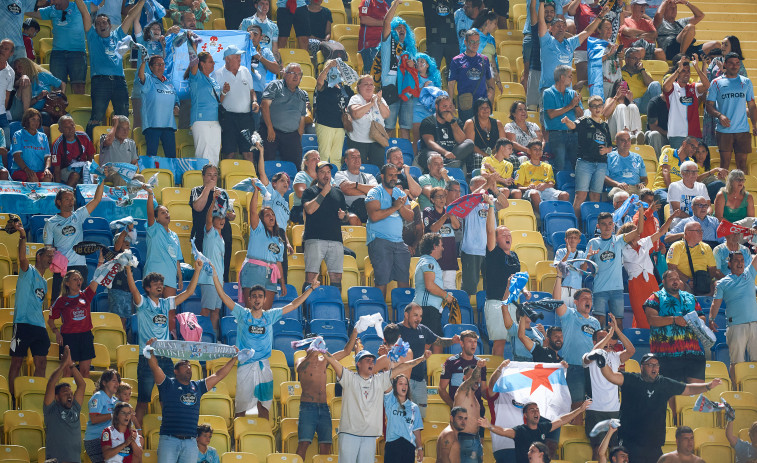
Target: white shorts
[449,278]
[742,338]
[580,56]
[549,194]
[254,384]
[566,295]
[495,324]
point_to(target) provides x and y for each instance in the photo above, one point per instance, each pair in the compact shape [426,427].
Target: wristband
[319,199]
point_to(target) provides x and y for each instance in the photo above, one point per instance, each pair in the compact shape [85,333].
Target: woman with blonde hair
[41,83]
[302,181]
[366,107]
[733,202]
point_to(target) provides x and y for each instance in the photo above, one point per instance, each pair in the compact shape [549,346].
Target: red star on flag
[539,377]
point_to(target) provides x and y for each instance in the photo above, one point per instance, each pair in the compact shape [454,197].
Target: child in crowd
[214,249]
[573,282]
[119,297]
[207,454]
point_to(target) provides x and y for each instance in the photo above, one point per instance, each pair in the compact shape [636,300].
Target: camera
[525,310]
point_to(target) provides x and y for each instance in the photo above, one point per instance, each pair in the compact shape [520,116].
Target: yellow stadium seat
[437,411]
[715,369]
[712,445]
[221,439]
[745,372]
[530,254]
[505,70]
[688,417]
[174,195]
[45,47]
[500,35]
[5,358]
[745,405]
[290,392]
[338,13]
[165,179]
[230,381]
[527,237]
[13,453]
[632,366]
[191,178]
[254,435]
[284,458]
[296,272]
[81,115]
[297,233]
[30,393]
[354,238]
[9,289]
[216,11]
[350,275]
[97,133]
[299,56]
[5,398]
[412,12]
[219,24]
[325,458]
[236,166]
[517,220]
[433,366]
[151,430]
[25,428]
[239,457]
[108,331]
[151,456]
[218,403]
[127,358]
[280,370]
[576,450]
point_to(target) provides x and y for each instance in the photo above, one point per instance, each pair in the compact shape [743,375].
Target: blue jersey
[68,35]
[153,48]
[423,297]
[153,319]
[553,99]
[578,331]
[44,81]
[625,169]
[181,406]
[33,148]
[553,54]
[462,24]
[389,228]
[269,249]
[255,333]
[609,262]
[102,404]
[574,278]
[66,232]
[163,253]
[210,456]
[279,204]
[261,76]
[158,101]
[738,294]
[31,289]
[401,419]
[474,231]
[722,253]
[204,92]
[11,18]
[214,248]
[730,97]
[103,59]
[519,350]
[270,34]
[111,8]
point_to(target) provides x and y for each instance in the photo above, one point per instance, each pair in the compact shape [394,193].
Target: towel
[105,273]
[316,343]
[604,426]
[200,257]
[366,321]
[399,350]
[517,284]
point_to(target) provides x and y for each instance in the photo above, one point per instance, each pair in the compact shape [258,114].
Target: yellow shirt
[504,167]
[701,256]
[635,83]
[671,158]
[529,174]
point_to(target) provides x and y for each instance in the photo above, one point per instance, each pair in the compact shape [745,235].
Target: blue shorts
[471,449]
[403,110]
[314,418]
[576,379]
[608,302]
[590,176]
[145,379]
[209,298]
[120,302]
[420,112]
[526,48]
[257,275]
[69,66]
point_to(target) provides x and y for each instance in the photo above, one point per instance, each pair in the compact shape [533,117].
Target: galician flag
[523,382]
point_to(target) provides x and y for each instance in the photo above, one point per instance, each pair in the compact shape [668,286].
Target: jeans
[562,146]
[163,135]
[471,450]
[642,102]
[368,54]
[107,89]
[354,449]
[590,176]
[175,450]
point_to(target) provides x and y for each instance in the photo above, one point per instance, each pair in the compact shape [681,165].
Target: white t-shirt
[238,99]
[677,191]
[678,122]
[363,403]
[361,127]
[638,262]
[347,176]
[7,77]
[604,394]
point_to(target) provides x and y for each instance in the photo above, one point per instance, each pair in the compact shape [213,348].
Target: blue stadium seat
[208,333]
[325,302]
[405,145]
[365,293]
[415,172]
[96,223]
[364,307]
[226,325]
[463,300]
[639,337]
[99,236]
[705,302]
[133,332]
[230,338]
[548,207]
[589,213]
[480,301]
[335,342]
[309,142]
[558,222]
[231,289]
[400,298]
[558,241]
[37,226]
[564,179]
[457,174]
[100,302]
[370,169]
[192,304]
[327,328]
[283,342]
[371,343]
[451,330]
[287,325]
[272,167]
[294,314]
[549,317]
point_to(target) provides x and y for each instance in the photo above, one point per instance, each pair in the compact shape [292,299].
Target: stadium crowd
[643,225]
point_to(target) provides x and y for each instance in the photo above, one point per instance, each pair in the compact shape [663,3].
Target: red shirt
[370,36]
[65,153]
[29,45]
[74,311]
[692,108]
[643,24]
[583,17]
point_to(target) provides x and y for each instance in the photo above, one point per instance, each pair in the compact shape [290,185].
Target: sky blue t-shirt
[263,247]
[214,248]
[255,333]
[153,48]
[553,54]
[519,350]
[423,298]
[574,279]
[99,403]
[730,97]
[158,100]
[31,290]
[261,76]
[553,99]
[400,423]
[33,148]
[103,59]
[69,34]
[204,99]
[181,406]
[577,333]
[45,81]
[111,8]
[721,253]
[153,319]
[66,232]
[474,231]
[629,169]
[210,456]
[163,253]
[11,19]
[609,262]
[270,34]
[462,24]
[527,24]
[279,204]
[390,228]
[738,294]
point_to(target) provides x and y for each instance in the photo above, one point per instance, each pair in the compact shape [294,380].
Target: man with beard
[684,452]
[645,399]
[405,181]
[62,407]
[387,206]
[442,132]
[447,445]
[468,396]
[547,353]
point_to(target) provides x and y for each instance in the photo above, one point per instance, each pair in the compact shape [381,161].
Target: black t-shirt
[544,354]
[448,261]
[525,436]
[442,133]
[198,218]
[329,103]
[418,339]
[658,109]
[499,267]
[592,135]
[234,12]
[642,410]
[535,63]
[324,223]
[439,17]
[318,22]
[452,369]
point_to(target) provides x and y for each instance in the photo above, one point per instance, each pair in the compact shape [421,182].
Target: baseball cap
[362,354]
[323,163]
[648,357]
[232,50]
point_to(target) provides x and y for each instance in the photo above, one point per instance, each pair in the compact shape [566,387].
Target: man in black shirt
[539,353]
[324,209]
[657,123]
[442,132]
[441,36]
[642,410]
[535,428]
[420,338]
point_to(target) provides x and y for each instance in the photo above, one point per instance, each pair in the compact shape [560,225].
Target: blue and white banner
[176,165]
[596,50]
[29,198]
[112,196]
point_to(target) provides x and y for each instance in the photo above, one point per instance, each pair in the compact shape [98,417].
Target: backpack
[332,50]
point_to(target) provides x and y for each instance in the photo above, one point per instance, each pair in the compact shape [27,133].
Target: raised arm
[92,205]
[227,301]
[593,25]
[65,365]
[134,13]
[568,417]
[254,219]
[335,364]
[347,347]
[23,260]
[261,164]
[184,295]
[527,342]
[410,364]
[732,438]
[497,374]
[152,362]
[150,207]
[542,22]
[614,377]
[216,377]
[301,298]
[602,450]
[85,16]
[387,24]
[135,295]
[498,430]
[557,294]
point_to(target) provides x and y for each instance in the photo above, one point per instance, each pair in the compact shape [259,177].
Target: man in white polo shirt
[236,83]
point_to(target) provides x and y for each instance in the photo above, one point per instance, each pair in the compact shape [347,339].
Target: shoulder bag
[701,280]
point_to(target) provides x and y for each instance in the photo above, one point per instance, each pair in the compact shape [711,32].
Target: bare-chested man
[471,449]
[315,416]
[684,452]
[447,446]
